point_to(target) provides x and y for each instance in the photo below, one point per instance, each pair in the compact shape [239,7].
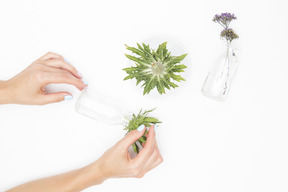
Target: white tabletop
[237,145]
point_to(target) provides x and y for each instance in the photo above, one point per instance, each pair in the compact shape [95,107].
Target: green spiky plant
[155,68]
[142,118]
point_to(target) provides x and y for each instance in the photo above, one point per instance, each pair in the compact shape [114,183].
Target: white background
[237,145]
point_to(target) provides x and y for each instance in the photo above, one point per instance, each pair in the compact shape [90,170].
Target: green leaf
[172,84]
[160,88]
[179,68]
[142,140]
[177,77]
[135,148]
[130,69]
[161,50]
[135,50]
[150,119]
[128,77]
[148,87]
[138,60]
[175,60]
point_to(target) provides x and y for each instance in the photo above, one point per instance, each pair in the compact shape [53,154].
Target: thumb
[133,136]
[54,97]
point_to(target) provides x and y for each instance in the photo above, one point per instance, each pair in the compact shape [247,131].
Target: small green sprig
[135,121]
[155,68]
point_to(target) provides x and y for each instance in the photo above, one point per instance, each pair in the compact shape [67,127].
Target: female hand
[28,86]
[116,162]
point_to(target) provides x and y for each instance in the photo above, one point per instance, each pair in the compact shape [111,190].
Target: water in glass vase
[218,81]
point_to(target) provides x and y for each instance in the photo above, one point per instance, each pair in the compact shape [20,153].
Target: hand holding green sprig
[136,121]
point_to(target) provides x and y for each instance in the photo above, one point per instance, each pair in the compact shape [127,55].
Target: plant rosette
[134,121]
[157,64]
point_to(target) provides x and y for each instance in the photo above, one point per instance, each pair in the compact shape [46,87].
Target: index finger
[149,147]
[60,63]
[50,55]
[64,77]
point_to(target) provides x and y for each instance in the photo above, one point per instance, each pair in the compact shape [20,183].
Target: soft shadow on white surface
[238,145]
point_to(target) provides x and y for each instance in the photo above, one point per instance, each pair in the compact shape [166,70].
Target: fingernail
[79,74]
[66,60]
[85,82]
[68,97]
[140,128]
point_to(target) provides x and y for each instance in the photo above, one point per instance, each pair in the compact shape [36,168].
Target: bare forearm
[73,181]
[115,162]
[5,93]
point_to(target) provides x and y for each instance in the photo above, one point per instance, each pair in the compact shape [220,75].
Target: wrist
[90,175]
[5,93]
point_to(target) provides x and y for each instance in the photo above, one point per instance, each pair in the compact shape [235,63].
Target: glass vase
[218,81]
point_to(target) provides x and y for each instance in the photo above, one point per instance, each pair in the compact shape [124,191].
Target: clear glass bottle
[218,81]
[100,107]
